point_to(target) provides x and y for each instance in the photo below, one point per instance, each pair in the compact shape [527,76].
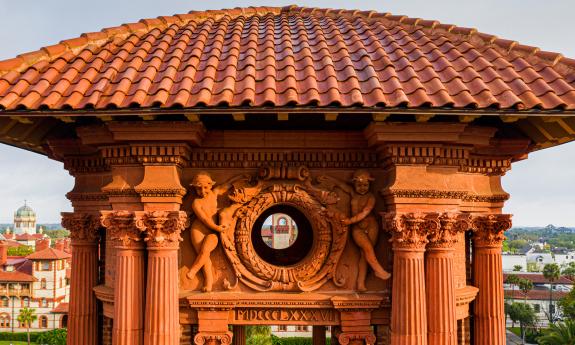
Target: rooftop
[48,254]
[288,58]
[538,278]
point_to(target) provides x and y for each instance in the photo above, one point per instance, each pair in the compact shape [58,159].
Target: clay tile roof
[61,308]
[539,278]
[292,56]
[535,294]
[48,254]
[15,276]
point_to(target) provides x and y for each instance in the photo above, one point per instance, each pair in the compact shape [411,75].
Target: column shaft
[129,297]
[489,305]
[408,307]
[162,325]
[239,335]
[83,312]
[440,289]
[318,335]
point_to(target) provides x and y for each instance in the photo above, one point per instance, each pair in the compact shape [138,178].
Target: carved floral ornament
[489,229]
[204,337]
[82,226]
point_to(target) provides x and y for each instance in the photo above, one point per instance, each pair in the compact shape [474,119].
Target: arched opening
[64,321]
[282,235]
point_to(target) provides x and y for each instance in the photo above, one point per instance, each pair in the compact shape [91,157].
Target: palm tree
[552,273]
[525,285]
[512,279]
[26,317]
[517,268]
[561,333]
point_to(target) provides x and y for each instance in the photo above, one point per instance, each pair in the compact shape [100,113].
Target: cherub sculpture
[204,227]
[363,223]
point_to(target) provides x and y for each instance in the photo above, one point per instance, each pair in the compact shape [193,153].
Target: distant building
[281,233]
[512,260]
[39,281]
[24,220]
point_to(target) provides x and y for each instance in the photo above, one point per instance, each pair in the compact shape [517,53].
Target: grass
[14,342]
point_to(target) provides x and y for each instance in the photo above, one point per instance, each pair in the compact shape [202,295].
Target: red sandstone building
[383,137]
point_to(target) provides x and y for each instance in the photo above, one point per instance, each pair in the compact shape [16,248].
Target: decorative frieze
[85,164]
[178,154]
[443,194]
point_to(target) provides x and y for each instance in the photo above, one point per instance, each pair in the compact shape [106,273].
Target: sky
[542,187]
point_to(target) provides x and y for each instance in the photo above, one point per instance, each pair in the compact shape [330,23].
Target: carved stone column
[318,335]
[83,310]
[408,304]
[162,235]
[129,283]
[355,319]
[440,279]
[488,277]
[239,335]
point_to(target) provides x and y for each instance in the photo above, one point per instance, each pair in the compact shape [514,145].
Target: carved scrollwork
[489,229]
[83,227]
[121,227]
[161,228]
[345,338]
[223,338]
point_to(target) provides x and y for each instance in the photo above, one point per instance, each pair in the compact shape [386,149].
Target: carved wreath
[309,274]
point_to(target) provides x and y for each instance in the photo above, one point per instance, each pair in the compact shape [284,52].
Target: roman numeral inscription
[285,315]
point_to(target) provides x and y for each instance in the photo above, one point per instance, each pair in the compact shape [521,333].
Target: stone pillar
[408,301]
[318,335]
[355,319]
[129,283]
[162,235]
[239,335]
[440,280]
[83,310]
[488,278]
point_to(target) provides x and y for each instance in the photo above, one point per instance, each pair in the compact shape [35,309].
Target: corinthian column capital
[121,227]
[451,224]
[83,227]
[410,230]
[488,229]
[162,228]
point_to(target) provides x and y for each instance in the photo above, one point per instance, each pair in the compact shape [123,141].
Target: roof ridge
[530,53]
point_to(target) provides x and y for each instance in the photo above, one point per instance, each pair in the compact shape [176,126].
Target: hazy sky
[542,187]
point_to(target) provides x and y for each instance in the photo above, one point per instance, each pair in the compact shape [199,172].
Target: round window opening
[282,235]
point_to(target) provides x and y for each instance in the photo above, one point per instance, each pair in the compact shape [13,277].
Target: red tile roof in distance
[16,276]
[48,254]
[287,57]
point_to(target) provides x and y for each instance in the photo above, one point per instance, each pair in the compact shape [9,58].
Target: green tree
[569,271]
[20,251]
[517,268]
[562,333]
[53,337]
[26,317]
[524,314]
[552,273]
[525,285]
[513,280]
[258,335]
[567,305]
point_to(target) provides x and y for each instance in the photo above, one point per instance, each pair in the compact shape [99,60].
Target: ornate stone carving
[177,154]
[161,228]
[248,201]
[345,338]
[410,230]
[221,338]
[121,227]
[450,225]
[488,229]
[82,226]
[204,229]
[364,226]
[443,194]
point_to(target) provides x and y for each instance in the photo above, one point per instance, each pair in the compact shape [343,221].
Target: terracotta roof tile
[48,254]
[538,278]
[16,276]
[293,56]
